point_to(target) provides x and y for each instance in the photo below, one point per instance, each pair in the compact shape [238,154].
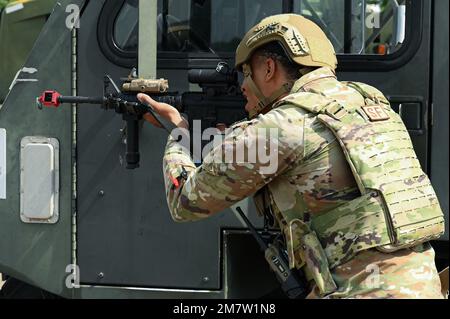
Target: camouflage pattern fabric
[405,274]
[443,275]
[312,177]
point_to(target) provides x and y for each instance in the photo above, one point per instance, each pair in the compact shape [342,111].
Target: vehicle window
[365,27]
[126,26]
[195,25]
[359,26]
[209,26]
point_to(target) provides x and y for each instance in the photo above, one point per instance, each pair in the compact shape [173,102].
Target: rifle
[292,282]
[220,102]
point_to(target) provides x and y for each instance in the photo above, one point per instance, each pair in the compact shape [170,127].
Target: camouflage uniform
[312,177]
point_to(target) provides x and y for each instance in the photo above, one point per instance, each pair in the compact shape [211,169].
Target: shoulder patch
[375,113]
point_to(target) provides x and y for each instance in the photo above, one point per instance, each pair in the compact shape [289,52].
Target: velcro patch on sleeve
[375,113]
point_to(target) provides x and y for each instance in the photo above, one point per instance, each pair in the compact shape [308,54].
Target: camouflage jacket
[311,172]
[306,175]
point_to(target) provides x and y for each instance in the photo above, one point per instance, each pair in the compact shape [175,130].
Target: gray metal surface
[38,254]
[245,265]
[2,163]
[127,244]
[39,180]
[125,233]
[20,25]
[439,131]
[110,292]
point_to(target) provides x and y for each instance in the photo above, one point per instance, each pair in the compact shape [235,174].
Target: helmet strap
[305,70]
[263,101]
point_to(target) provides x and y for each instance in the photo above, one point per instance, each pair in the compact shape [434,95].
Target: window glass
[209,25]
[195,25]
[233,18]
[126,26]
[358,26]
[353,26]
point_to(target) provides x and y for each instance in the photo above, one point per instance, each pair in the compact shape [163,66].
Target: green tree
[3,3]
[382,3]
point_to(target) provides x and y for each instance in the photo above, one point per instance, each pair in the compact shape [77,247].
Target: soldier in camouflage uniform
[348,193]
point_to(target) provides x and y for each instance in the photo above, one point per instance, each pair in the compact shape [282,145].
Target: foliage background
[3,3]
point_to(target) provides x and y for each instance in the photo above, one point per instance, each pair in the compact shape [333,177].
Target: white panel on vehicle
[2,163]
[39,180]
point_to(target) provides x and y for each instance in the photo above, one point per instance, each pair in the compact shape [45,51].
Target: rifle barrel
[81,99]
[173,100]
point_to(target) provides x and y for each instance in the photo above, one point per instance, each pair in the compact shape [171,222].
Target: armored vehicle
[75,222]
[20,25]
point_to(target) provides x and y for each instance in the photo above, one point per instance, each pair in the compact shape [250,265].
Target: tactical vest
[398,207]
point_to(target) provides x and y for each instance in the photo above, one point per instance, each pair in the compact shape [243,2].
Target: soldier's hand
[164,110]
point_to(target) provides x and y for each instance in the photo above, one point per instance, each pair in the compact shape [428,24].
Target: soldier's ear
[271,67]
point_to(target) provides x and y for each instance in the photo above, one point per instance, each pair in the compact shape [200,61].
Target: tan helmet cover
[304,42]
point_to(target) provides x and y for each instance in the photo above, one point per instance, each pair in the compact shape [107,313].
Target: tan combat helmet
[304,42]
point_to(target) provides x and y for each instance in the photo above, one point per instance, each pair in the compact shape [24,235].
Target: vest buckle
[336,111]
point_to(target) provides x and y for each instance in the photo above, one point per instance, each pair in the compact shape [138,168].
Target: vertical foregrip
[132,153]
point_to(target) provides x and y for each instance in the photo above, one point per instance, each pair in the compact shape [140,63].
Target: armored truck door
[37,160]
[125,234]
